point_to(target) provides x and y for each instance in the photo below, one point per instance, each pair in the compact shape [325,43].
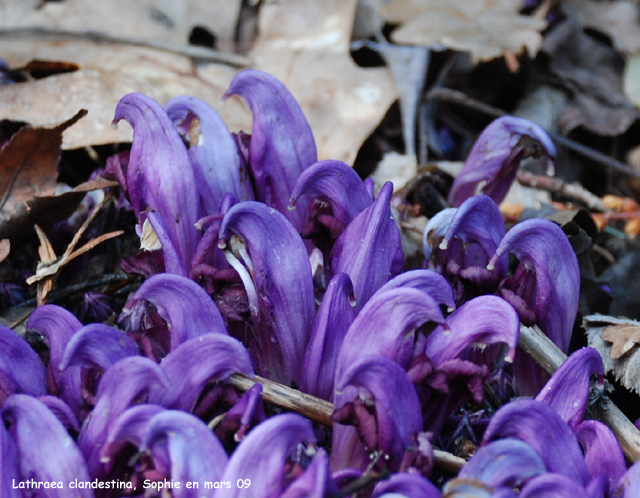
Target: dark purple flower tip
[504,463]
[567,392]
[191,450]
[540,427]
[602,452]
[407,485]
[483,320]
[159,174]
[281,145]
[335,316]
[262,456]
[197,362]
[96,307]
[395,401]
[369,250]
[387,326]
[46,451]
[113,398]
[62,411]
[21,369]
[273,264]
[336,184]
[183,304]
[427,281]
[97,346]
[57,326]
[217,164]
[242,416]
[496,157]
[542,247]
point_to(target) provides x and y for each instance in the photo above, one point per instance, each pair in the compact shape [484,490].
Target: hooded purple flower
[159,177]
[369,250]
[497,155]
[272,262]
[21,370]
[281,145]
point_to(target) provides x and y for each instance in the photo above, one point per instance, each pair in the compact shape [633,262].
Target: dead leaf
[29,164]
[5,249]
[615,339]
[617,19]
[487,29]
[305,44]
[47,256]
[592,74]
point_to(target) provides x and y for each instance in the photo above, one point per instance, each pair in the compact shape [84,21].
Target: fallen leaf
[615,339]
[617,19]
[487,29]
[5,249]
[29,164]
[591,72]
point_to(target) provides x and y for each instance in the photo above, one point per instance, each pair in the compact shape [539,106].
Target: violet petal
[62,411]
[602,452]
[552,485]
[542,428]
[567,392]
[194,452]
[369,250]
[46,451]
[407,485]
[629,486]
[496,156]
[217,164]
[334,318]
[159,175]
[97,346]
[20,366]
[507,462]
[281,145]
[427,281]
[189,367]
[173,262]
[9,463]
[485,320]
[315,481]
[182,303]
[262,455]
[273,264]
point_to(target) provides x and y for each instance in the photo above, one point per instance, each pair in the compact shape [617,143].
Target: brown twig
[203,53]
[450,95]
[319,410]
[573,191]
[549,357]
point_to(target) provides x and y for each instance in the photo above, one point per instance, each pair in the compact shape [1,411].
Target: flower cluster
[261,260]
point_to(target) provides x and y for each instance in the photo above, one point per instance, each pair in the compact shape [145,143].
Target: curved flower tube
[262,456]
[369,250]
[62,411]
[315,481]
[334,318]
[427,281]
[9,463]
[397,414]
[541,428]
[159,174]
[435,231]
[196,362]
[602,452]
[552,485]
[188,449]
[281,146]
[21,369]
[407,485]
[272,262]
[497,155]
[38,435]
[57,326]
[217,164]
[567,392]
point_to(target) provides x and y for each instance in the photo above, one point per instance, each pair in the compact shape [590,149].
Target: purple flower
[408,485]
[272,262]
[497,155]
[21,369]
[369,249]
[281,145]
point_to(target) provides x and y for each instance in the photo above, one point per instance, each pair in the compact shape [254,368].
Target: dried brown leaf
[615,339]
[487,29]
[5,249]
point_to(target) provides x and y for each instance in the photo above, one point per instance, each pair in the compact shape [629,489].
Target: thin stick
[457,97]
[557,185]
[319,410]
[194,51]
[549,357]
